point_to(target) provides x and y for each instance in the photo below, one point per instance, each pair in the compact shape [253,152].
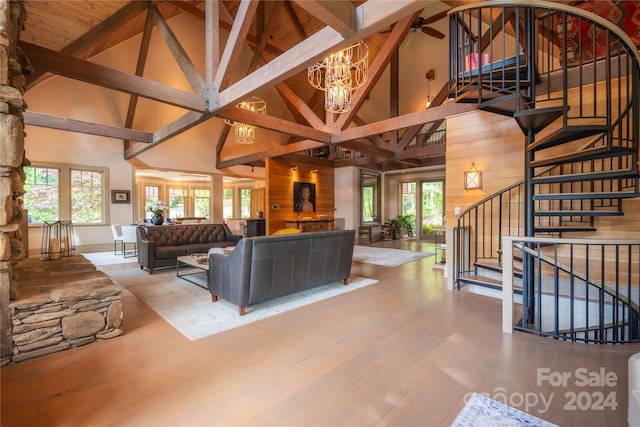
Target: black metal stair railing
[597,303]
[577,104]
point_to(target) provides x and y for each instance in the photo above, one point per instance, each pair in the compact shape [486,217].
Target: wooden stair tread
[567,134]
[586,176]
[586,196]
[496,267]
[588,154]
[563,229]
[538,118]
[578,213]
[476,279]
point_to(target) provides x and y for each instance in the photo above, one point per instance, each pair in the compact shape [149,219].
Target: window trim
[64,191]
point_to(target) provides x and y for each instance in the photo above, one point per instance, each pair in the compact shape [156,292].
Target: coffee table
[189,269]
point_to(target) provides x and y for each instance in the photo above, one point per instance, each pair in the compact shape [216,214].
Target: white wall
[347,196]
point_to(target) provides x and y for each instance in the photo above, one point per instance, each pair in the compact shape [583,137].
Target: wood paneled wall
[280,179]
[494,143]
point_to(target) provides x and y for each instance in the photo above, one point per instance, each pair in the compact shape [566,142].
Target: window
[152,197]
[86,197]
[176,202]
[201,199]
[42,194]
[227,203]
[63,192]
[432,203]
[245,202]
[409,198]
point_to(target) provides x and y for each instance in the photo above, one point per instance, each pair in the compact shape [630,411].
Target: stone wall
[45,306]
[13,67]
[74,306]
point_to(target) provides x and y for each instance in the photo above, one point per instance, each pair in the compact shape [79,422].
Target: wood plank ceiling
[285,37]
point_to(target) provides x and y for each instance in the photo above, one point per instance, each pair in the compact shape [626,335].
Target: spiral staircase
[571,81]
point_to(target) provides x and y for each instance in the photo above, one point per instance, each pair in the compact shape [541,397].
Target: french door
[425,201]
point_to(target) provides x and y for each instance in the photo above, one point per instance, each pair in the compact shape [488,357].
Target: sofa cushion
[163,252]
[184,235]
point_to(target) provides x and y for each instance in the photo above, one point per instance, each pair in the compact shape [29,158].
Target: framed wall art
[120,196]
[304,197]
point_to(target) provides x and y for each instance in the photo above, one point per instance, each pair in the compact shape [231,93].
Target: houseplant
[158,210]
[402,224]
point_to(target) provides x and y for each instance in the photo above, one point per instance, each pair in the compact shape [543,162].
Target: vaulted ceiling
[284,38]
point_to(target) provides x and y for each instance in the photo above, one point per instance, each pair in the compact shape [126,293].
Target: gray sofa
[261,268]
[160,245]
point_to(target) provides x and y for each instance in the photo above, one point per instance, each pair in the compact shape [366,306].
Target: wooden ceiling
[284,36]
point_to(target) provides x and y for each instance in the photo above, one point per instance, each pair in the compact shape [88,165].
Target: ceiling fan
[422,24]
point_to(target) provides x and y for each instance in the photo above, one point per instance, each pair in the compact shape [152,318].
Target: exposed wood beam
[375,16]
[96,36]
[301,106]
[301,158]
[142,59]
[377,139]
[408,120]
[408,137]
[283,149]
[377,67]
[394,91]
[339,15]
[197,13]
[392,166]
[221,139]
[302,34]
[232,50]
[365,162]
[428,151]
[179,54]
[496,28]
[176,127]
[369,149]
[212,49]
[274,123]
[187,8]
[265,31]
[72,125]
[78,69]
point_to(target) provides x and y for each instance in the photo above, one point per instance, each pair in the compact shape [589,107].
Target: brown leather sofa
[160,245]
[266,267]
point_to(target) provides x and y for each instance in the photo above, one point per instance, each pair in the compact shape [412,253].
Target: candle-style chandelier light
[245,133]
[343,72]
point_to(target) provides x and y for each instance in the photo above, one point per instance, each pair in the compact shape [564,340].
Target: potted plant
[402,224]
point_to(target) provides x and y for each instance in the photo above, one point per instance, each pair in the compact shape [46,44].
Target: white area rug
[386,257]
[189,309]
[481,411]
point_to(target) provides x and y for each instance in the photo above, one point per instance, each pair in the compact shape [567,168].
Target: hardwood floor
[404,351]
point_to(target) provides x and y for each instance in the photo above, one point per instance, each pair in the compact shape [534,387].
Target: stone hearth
[61,304]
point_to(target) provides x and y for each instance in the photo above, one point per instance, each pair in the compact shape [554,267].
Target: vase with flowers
[158,210]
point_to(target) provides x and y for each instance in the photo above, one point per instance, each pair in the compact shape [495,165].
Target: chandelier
[343,72]
[245,133]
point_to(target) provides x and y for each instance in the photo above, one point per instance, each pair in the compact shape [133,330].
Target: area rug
[189,308]
[386,257]
[482,411]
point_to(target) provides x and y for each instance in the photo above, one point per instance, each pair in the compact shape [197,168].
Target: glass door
[431,209]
